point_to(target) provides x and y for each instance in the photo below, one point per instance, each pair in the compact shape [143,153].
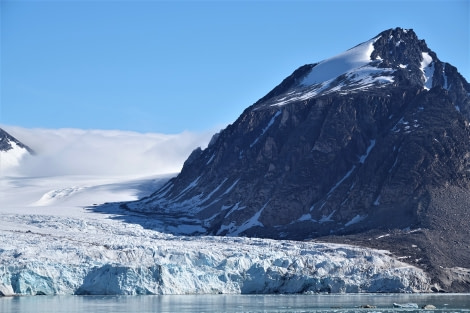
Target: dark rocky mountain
[369,147]
[8,142]
[11,151]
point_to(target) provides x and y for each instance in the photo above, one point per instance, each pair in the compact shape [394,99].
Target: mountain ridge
[370,148]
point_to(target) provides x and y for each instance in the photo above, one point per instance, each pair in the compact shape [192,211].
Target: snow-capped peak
[395,56]
[351,71]
[341,64]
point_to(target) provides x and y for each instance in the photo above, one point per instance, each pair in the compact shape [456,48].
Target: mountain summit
[371,143]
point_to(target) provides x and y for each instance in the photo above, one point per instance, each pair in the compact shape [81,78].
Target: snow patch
[213,191]
[403,124]
[305,217]
[399,42]
[341,180]
[236,207]
[356,219]
[427,67]
[377,200]
[446,86]
[363,158]
[231,187]
[231,227]
[165,189]
[271,122]
[383,236]
[252,222]
[328,218]
[211,158]
[190,186]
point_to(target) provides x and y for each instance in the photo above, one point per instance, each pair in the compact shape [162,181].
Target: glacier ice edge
[135,261]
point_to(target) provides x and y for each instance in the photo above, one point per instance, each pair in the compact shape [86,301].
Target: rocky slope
[373,141]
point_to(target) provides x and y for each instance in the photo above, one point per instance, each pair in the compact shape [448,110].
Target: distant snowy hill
[373,141]
[12,152]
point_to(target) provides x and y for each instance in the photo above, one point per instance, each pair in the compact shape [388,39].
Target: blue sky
[169,67]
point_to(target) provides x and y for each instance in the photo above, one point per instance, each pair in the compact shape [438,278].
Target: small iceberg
[406,305]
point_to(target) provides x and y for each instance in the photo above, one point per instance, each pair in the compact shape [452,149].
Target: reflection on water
[235,303]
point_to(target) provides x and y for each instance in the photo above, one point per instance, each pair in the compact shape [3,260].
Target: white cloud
[104,152]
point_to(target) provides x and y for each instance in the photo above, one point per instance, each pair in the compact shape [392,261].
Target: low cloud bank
[104,152]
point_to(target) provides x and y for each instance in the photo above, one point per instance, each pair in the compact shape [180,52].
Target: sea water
[236,303]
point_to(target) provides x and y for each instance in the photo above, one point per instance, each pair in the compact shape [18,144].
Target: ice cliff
[50,255]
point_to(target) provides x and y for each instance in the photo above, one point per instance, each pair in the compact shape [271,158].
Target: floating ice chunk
[406,305]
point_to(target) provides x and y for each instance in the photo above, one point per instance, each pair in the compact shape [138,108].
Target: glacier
[63,247]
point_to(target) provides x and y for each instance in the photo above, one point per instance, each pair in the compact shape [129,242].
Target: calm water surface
[234,303]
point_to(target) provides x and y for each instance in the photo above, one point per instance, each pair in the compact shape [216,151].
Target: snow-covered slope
[351,61]
[351,71]
[51,244]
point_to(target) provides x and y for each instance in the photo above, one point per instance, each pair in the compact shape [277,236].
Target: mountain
[371,146]
[11,151]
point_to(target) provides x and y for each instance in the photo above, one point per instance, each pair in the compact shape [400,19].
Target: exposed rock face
[369,140]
